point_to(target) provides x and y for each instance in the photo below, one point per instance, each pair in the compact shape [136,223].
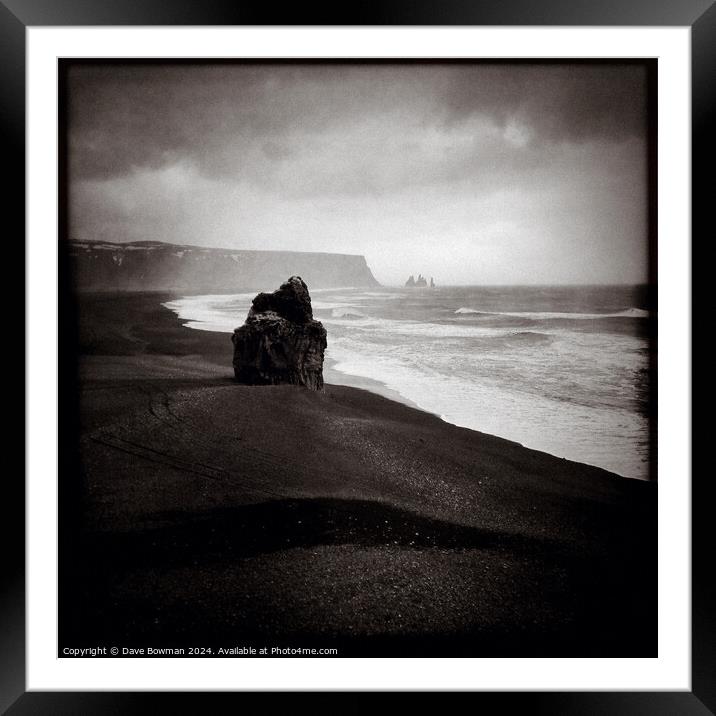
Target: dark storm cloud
[135,116]
[559,102]
[124,118]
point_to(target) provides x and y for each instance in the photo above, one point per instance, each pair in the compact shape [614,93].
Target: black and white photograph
[364,358]
[358,358]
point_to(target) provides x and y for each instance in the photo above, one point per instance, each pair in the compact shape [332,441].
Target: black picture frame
[700,15]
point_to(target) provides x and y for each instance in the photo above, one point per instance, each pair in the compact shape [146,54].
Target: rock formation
[280,342]
[421,282]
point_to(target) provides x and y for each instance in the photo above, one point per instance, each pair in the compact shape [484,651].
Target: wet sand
[199,512]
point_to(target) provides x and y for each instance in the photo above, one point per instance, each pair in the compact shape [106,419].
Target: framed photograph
[358,354]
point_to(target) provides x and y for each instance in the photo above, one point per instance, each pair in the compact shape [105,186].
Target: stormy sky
[472,173]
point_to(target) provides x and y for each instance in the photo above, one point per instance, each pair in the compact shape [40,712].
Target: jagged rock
[291,301]
[280,342]
[420,282]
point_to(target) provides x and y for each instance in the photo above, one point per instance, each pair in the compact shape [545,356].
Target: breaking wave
[347,313]
[551,315]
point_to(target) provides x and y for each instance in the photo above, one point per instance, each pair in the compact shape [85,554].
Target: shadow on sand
[218,540]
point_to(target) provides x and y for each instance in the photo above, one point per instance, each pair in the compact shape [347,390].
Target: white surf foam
[546,315]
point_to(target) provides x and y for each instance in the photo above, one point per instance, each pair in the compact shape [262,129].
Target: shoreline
[210,512]
[334,376]
[338,377]
[331,374]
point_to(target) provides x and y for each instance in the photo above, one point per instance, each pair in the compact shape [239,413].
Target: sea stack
[280,343]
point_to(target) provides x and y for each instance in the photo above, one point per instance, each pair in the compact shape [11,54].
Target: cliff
[157,266]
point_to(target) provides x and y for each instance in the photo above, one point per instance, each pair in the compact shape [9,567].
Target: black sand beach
[196,512]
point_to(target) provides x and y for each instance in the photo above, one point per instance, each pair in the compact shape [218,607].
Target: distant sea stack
[157,266]
[420,282]
[280,342]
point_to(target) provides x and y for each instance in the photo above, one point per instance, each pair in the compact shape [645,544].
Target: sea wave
[347,313]
[530,337]
[552,315]
[214,312]
[473,310]
[339,302]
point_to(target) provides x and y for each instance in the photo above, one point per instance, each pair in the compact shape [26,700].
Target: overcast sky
[472,173]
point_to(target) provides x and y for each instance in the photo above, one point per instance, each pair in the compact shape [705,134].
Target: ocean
[559,369]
